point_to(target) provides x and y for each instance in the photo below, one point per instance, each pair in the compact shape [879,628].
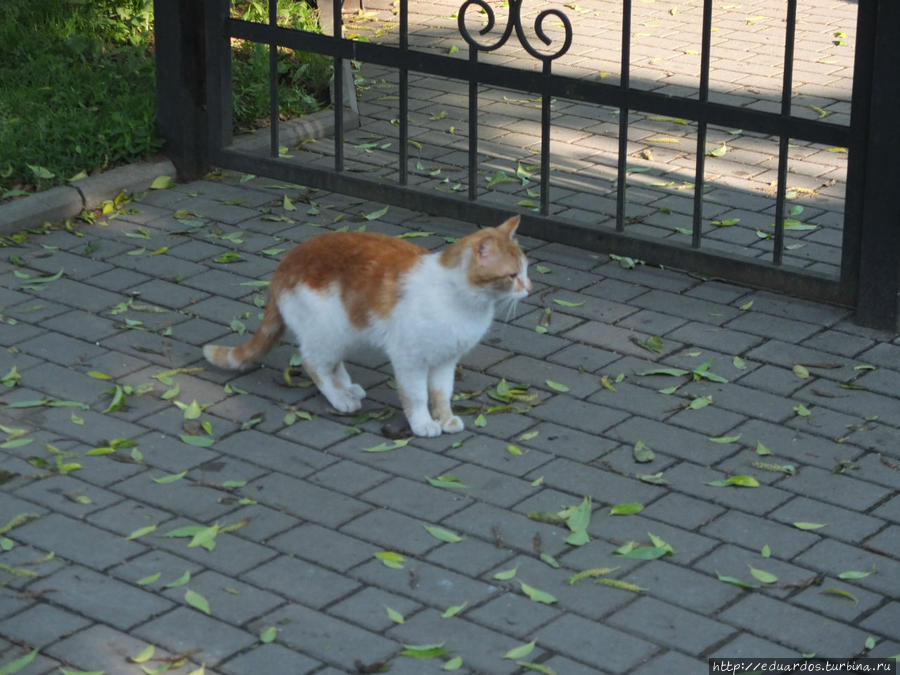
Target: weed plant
[78,90]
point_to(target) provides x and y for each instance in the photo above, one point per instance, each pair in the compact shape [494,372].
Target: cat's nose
[526,284]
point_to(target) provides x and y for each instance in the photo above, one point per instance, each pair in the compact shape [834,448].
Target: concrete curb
[67,201]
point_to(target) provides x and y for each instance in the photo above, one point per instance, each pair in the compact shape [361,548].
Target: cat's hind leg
[412,384]
[440,394]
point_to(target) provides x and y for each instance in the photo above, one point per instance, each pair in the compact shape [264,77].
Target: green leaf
[809,526]
[480,420]
[700,402]
[801,371]
[591,573]
[148,579]
[855,574]
[180,581]
[734,581]
[145,655]
[18,664]
[566,303]
[446,482]
[801,410]
[652,478]
[674,372]
[424,651]
[443,535]
[205,537]
[621,585]
[642,453]
[550,560]
[726,439]
[841,593]
[739,363]
[870,642]
[761,449]
[141,531]
[454,610]
[375,215]
[268,635]
[197,441]
[626,509]
[394,615]
[766,552]
[391,559]
[762,575]
[162,183]
[387,446]
[506,575]
[556,386]
[521,651]
[171,478]
[197,601]
[718,152]
[453,664]
[537,595]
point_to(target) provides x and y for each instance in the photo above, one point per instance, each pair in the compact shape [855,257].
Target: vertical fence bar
[404,93]
[623,116]
[787,83]
[473,123]
[700,171]
[545,141]
[273,82]
[337,35]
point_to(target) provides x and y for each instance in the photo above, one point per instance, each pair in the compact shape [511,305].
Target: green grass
[78,93]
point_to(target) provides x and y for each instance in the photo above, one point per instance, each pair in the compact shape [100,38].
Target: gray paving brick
[194,501]
[847,525]
[232,555]
[169,567]
[391,530]
[568,411]
[672,441]
[671,625]
[815,599]
[596,644]
[185,629]
[41,625]
[785,541]
[77,541]
[270,657]
[882,620]
[367,608]
[746,645]
[305,500]
[839,489]
[323,546]
[692,480]
[667,581]
[101,597]
[887,541]
[603,486]
[682,511]
[99,647]
[470,556]
[672,662]
[410,461]
[797,628]
[327,639]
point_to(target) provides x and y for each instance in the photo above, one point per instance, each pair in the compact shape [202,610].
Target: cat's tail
[267,336]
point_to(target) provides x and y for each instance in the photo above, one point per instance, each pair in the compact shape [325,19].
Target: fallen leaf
[521,651]
[809,526]
[762,575]
[840,593]
[144,655]
[537,595]
[394,615]
[443,535]
[391,559]
[506,575]
[268,635]
[626,509]
[621,585]
[454,610]
[197,601]
[556,386]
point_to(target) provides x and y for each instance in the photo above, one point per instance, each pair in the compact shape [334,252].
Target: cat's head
[493,261]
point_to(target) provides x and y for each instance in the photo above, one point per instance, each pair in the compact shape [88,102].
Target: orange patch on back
[366,268]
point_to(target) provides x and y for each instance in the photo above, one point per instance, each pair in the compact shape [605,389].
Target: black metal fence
[194,83]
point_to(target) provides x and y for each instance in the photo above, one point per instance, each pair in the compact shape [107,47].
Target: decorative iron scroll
[515,22]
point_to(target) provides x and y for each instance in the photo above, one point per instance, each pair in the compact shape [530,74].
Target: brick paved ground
[285,521]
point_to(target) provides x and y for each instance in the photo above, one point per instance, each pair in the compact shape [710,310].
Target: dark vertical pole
[404,93]
[700,172]
[473,123]
[217,57]
[623,116]
[783,140]
[879,268]
[273,82]
[545,141]
[180,83]
[338,32]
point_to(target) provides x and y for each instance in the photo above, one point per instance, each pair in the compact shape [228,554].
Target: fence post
[181,112]
[879,269]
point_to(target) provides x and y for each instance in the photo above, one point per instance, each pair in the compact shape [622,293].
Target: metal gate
[868,267]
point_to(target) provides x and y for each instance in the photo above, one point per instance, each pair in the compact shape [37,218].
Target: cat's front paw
[344,401]
[428,428]
[452,425]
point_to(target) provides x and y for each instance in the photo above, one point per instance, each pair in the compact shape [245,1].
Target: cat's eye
[513,275]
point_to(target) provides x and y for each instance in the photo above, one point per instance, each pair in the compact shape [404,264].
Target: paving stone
[746,645]
[322,546]
[663,438]
[304,500]
[230,600]
[682,511]
[169,567]
[390,530]
[568,411]
[99,647]
[673,626]
[409,461]
[506,529]
[886,541]
[185,629]
[77,541]
[41,625]
[785,541]
[667,582]
[317,635]
[596,644]
[564,441]
[800,629]
[836,606]
[839,489]
[603,486]
[368,608]
[470,556]
[194,501]
[848,526]
[270,657]
[672,662]
[693,479]
[101,597]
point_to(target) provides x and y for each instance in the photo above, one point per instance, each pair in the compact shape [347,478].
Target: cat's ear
[486,250]
[509,227]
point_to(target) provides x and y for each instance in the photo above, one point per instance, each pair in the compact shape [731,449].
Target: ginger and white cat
[424,310]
